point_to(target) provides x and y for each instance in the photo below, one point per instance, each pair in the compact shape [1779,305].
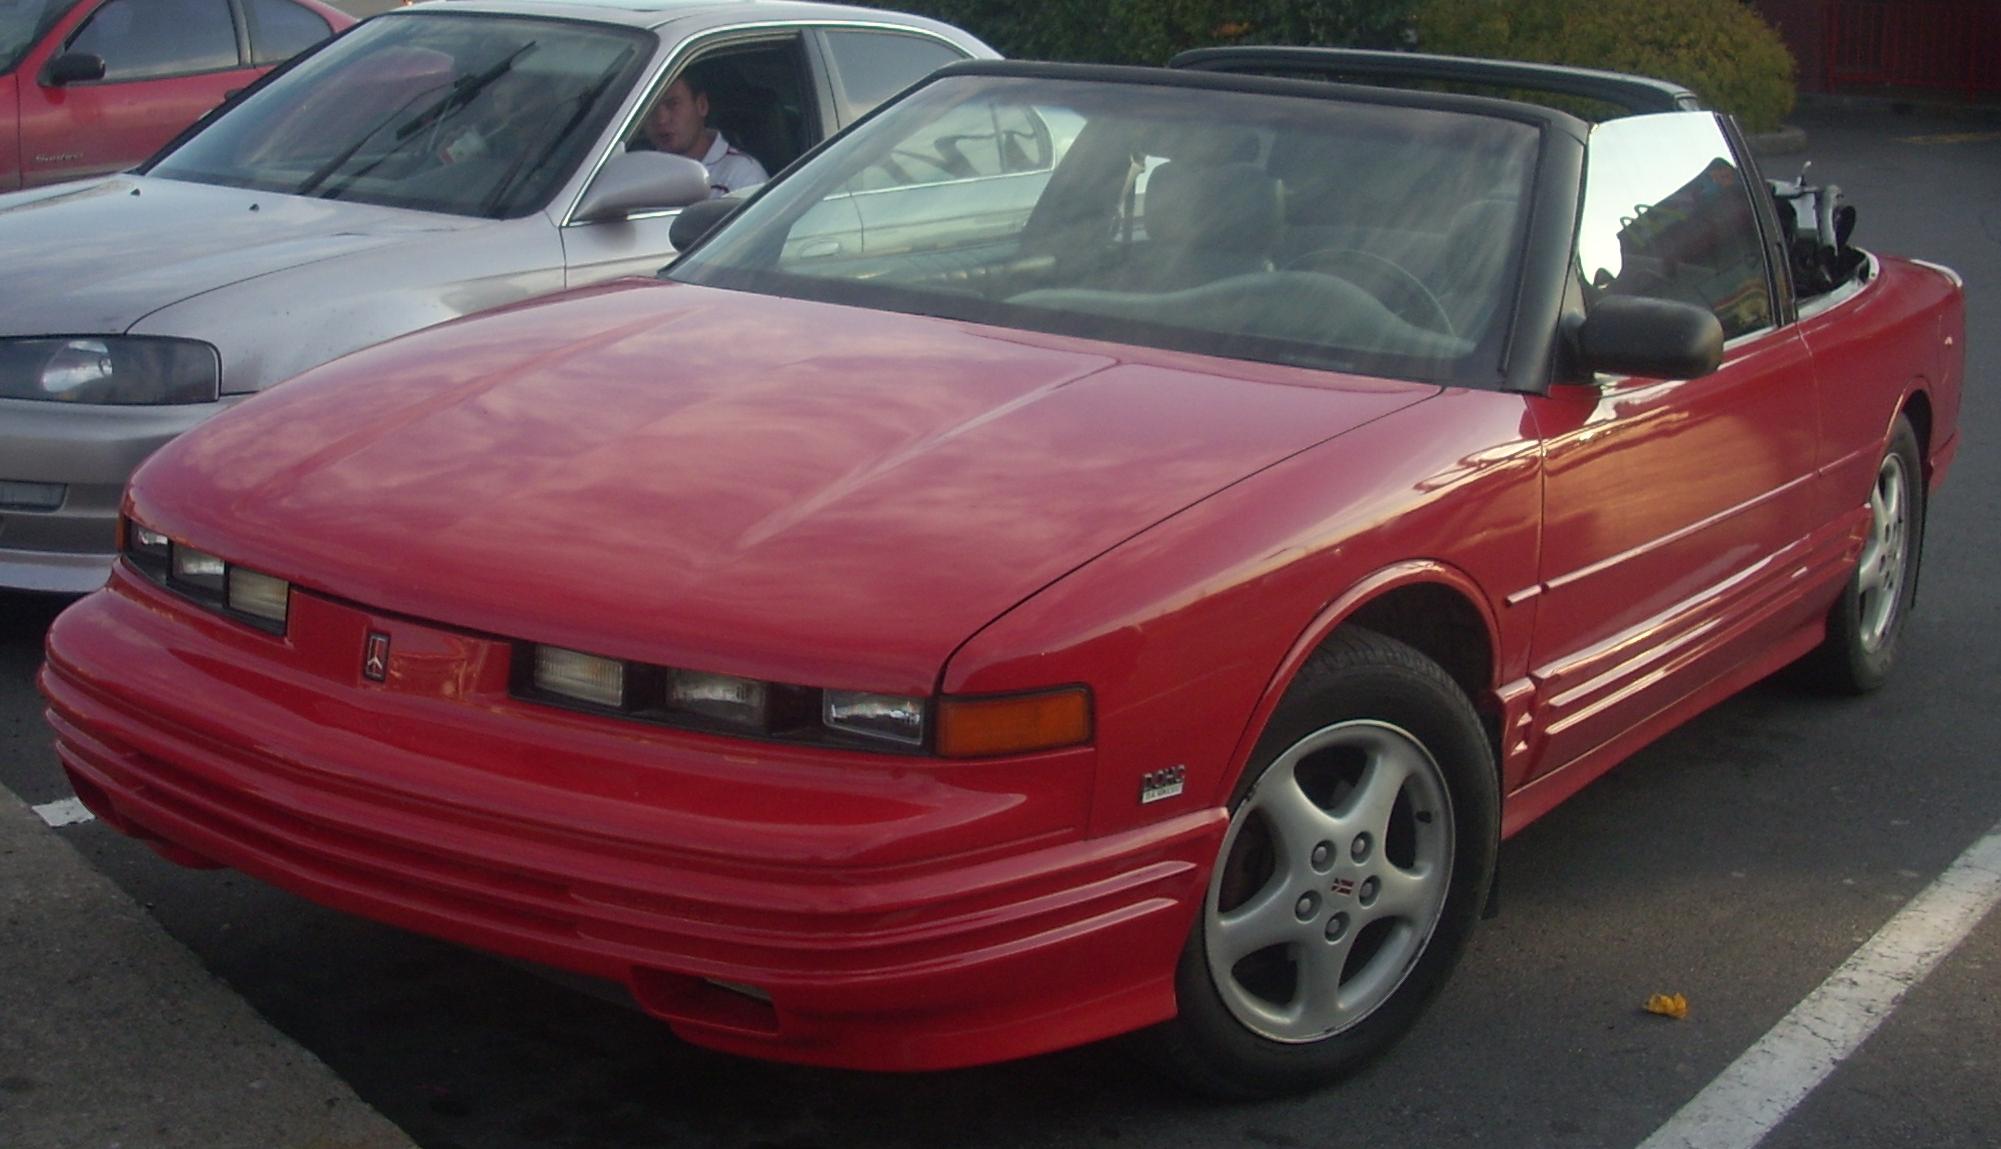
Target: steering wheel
[1392,285]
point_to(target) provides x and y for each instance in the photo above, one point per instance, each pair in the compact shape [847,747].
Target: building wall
[1800,24]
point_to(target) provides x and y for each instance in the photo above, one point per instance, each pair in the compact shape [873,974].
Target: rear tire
[1360,850]
[1867,621]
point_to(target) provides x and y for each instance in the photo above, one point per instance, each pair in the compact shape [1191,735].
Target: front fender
[1189,631]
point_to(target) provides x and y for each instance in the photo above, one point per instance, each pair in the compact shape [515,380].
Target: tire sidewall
[1859,668]
[1396,685]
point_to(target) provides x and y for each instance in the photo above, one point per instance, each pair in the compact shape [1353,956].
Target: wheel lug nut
[1322,854]
[1367,893]
[1336,927]
[1308,905]
[1360,850]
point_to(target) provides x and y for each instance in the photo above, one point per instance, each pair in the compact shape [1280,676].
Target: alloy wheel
[1335,872]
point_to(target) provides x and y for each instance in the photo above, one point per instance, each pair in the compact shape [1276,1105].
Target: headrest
[1234,206]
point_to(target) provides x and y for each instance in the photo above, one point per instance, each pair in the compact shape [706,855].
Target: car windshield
[1363,237]
[461,113]
[21,21]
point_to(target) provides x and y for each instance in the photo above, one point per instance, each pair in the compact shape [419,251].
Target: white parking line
[1761,1087]
[67,812]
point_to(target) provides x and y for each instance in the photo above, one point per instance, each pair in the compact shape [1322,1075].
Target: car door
[10,136]
[26,26]
[865,66]
[166,63]
[787,89]
[1679,515]
[767,65]
[280,29]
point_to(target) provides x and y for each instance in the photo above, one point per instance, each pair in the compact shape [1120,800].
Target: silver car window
[280,29]
[469,114]
[21,21]
[142,39]
[870,66]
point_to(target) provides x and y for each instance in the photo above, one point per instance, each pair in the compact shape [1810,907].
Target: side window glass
[1667,214]
[972,141]
[870,67]
[280,29]
[140,39]
[758,99]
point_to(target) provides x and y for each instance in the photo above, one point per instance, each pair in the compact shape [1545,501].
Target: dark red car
[92,86]
[1089,549]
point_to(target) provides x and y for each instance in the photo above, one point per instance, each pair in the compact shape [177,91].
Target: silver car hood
[98,257]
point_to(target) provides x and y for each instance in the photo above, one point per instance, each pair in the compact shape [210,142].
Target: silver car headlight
[111,369]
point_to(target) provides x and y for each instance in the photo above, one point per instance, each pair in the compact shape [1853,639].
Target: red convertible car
[1089,549]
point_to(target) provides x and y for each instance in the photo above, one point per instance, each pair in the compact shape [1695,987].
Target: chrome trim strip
[1820,305]
[1942,269]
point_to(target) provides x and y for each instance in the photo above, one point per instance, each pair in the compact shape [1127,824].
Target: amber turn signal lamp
[1013,724]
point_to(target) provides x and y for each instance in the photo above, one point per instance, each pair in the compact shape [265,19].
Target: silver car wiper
[586,100]
[464,90]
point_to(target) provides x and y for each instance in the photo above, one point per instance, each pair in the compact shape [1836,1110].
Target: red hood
[795,491]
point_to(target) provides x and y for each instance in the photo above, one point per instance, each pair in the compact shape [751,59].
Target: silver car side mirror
[634,182]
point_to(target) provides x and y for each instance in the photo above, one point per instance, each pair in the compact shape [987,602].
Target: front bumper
[88,453]
[882,913]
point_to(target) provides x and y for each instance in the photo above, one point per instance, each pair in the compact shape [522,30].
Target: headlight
[952,726]
[247,595]
[722,698]
[719,703]
[198,570]
[110,369]
[889,716]
[259,595]
[574,674]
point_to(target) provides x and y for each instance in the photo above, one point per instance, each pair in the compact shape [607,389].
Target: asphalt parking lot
[1740,862]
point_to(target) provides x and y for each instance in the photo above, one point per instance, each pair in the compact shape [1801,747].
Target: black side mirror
[698,220]
[1650,338]
[72,68]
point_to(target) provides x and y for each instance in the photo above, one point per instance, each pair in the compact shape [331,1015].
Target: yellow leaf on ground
[1671,1005]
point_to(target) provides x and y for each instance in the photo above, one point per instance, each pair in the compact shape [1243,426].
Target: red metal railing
[1949,44]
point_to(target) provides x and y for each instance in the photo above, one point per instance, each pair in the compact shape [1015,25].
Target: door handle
[819,248]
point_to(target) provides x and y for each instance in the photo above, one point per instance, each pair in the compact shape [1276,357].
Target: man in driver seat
[679,123]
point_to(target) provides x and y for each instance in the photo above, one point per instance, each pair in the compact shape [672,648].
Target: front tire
[1360,848]
[1866,622]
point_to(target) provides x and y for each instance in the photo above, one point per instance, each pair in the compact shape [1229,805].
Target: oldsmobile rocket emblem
[375,657]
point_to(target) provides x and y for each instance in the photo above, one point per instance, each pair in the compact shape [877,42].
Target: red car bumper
[798,904]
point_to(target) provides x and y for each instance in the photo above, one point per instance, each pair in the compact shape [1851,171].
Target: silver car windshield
[1363,237]
[468,114]
[21,22]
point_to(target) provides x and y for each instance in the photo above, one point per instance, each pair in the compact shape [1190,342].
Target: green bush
[1720,49]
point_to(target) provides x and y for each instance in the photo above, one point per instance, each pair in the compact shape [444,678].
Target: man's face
[678,120]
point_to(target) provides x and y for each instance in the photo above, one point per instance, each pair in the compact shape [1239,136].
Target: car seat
[1205,223]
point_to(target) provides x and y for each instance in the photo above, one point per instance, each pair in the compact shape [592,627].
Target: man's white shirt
[730,169]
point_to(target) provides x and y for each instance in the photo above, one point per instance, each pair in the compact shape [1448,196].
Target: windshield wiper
[463,90]
[333,165]
[586,100]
